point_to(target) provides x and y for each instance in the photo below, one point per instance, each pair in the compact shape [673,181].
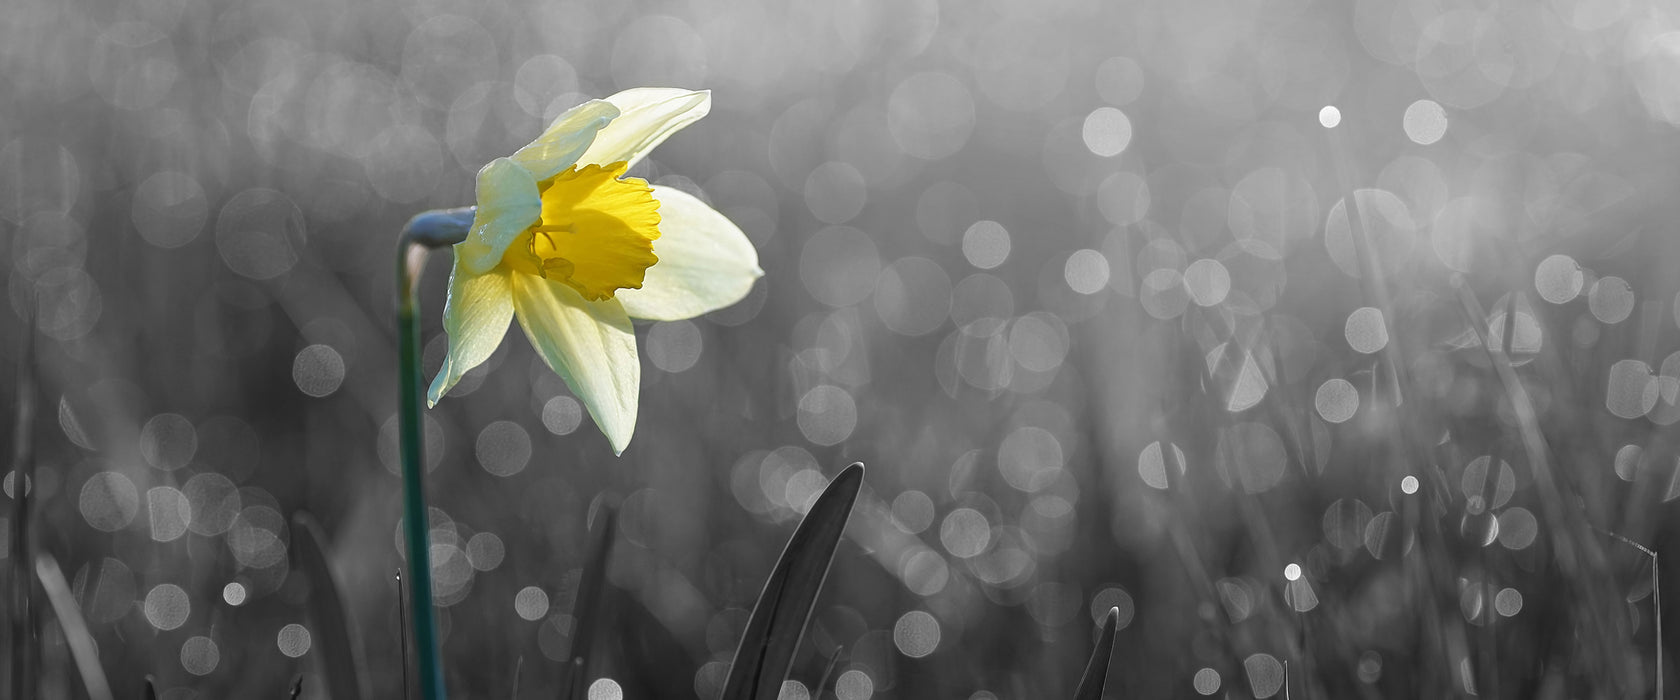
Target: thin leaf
[82,647]
[340,651]
[587,609]
[828,672]
[149,691]
[784,607]
[297,687]
[1096,670]
[518,668]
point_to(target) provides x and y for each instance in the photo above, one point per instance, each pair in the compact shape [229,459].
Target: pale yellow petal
[565,139]
[647,116]
[590,344]
[705,262]
[476,317]
[508,203]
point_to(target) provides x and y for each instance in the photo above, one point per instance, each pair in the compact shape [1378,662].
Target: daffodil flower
[573,249]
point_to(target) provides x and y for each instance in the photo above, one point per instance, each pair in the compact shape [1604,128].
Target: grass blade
[82,647]
[340,650]
[297,687]
[1096,670]
[784,607]
[149,690]
[828,672]
[588,607]
[23,476]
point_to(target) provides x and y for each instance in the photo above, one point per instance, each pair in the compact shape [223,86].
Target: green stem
[427,230]
[416,517]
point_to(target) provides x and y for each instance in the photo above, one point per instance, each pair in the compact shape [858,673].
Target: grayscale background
[1076,279]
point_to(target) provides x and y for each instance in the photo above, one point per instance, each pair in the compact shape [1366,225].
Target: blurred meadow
[1079,280]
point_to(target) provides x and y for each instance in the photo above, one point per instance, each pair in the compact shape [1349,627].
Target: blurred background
[1333,343]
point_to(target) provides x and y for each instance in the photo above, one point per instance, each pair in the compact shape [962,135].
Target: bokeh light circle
[293,640]
[986,244]
[1365,330]
[200,655]
[854,685]
[1107,131]
[530,603]
[1631,390]
[827,415]
[916,634]
[260,233]
[109,501]
[1558,279]
[1329,117]
[913,296]
[1265,674]
[1207,281]
[503,448]
[318,370]
[1425,122]
[1610,299]
[168,441]
[674,346]
[562,414]
[605,689]
[965,533]
[170,209]
[1336,400]
[1206,680]
[167,606]
[1086,271]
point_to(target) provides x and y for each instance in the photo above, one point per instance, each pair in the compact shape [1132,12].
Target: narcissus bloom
[573,249]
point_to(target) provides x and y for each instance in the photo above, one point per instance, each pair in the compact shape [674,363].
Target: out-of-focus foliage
[1079,279]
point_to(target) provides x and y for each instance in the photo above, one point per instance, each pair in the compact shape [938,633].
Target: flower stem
[416,517]
[427,230]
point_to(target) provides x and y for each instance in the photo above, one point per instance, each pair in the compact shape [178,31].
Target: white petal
[705,262]
[476,317]
[565,139]
[508,203]
[590,345]
[647,116]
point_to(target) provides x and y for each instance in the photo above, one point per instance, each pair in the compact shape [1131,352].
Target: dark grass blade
[22,615]
[340,651]
[149,690]
[297,687]
[83,649]
[784,608]
[589,607]
[518,668]
[828,672]
[1096,671]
